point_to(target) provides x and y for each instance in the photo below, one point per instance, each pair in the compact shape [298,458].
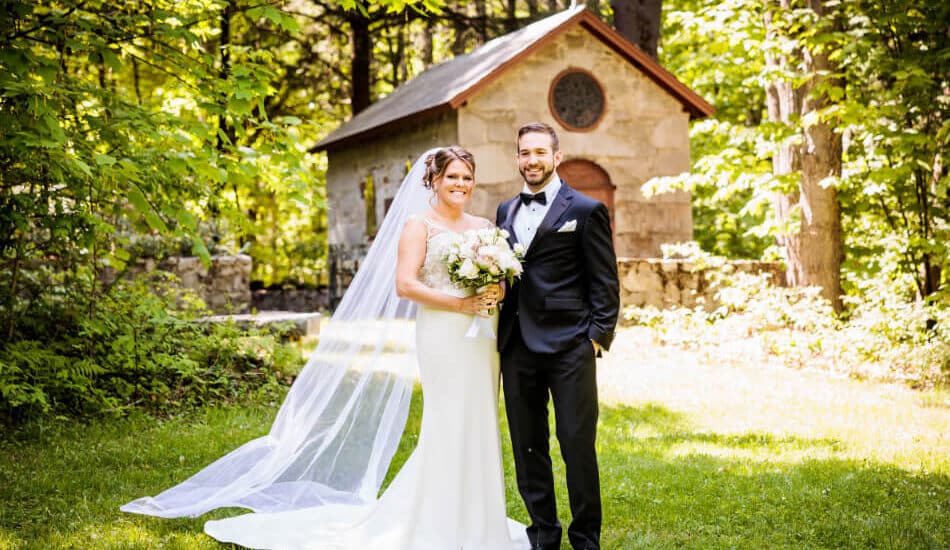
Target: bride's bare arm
[411,255]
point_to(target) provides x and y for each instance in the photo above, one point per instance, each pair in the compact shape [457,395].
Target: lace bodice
[433,272]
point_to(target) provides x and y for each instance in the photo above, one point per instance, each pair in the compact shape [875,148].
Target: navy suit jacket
[569,291]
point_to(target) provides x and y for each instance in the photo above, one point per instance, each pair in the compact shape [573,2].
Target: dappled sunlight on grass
[693,454]
[884,422]
[689,488]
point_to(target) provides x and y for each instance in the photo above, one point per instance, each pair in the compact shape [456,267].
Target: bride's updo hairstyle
[437,162]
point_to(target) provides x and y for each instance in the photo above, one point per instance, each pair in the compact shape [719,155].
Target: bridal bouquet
[478,258]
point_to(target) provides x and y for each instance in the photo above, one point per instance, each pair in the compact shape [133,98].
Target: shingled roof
[448,85]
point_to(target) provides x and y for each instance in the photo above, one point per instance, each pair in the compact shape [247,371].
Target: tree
[639,22]
[120,123]
[810,213]
[872,73]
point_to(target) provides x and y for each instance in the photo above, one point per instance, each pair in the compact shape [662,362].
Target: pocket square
[570,225]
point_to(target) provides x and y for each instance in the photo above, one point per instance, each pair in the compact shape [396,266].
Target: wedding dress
[450,493]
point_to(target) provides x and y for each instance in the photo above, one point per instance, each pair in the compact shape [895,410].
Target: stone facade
[644,134]
[386,159]
[664,284]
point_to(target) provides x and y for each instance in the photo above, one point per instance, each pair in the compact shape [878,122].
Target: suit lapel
[508,223]
[561,203]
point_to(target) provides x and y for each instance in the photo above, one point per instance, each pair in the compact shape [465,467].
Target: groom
[555,319]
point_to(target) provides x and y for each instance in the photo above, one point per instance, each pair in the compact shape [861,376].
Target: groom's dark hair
[538,128]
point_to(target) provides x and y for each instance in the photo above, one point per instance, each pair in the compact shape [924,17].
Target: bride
[312,481]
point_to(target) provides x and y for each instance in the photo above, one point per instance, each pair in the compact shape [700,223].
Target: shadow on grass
[664,485]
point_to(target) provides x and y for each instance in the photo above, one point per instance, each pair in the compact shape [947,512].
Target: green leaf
[111,60]
[187,220]
[239,106]
[272,14]
[289,24]
[104,160]
[199,249]
[141,204]
[138,200]
[155,221]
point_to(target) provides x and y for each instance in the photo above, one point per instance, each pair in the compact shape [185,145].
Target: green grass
[692,455]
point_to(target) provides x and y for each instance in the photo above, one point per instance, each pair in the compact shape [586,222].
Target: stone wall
[667,283]
[304,300]
[224,285]
[644,134]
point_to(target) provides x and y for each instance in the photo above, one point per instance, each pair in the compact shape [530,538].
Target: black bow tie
[526,198]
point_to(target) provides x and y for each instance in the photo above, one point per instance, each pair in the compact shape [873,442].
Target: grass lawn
[694,453]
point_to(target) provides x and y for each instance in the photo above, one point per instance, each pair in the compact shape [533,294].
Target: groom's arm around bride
[554,321]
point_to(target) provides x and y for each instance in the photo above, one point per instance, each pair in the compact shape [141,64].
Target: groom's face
[537,159]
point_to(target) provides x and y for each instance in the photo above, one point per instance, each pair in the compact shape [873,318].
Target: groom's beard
[537,181]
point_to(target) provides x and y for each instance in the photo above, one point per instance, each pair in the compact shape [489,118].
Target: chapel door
[591,180]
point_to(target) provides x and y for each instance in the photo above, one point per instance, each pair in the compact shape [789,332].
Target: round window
[577,100]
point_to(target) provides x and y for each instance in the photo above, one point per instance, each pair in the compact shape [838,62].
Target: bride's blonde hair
[437,162]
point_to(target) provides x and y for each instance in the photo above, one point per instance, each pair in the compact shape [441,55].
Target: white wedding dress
[450,494]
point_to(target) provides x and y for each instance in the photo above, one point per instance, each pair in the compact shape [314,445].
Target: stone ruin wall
[664,284]
[644,282]
[224,285]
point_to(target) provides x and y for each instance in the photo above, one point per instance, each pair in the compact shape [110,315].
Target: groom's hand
[598,349]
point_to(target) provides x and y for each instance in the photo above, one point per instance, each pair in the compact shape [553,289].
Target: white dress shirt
[529,216]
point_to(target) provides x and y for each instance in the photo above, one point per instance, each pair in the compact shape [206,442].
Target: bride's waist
[455,291]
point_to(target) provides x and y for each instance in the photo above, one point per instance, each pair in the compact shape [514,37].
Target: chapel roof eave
[437,89]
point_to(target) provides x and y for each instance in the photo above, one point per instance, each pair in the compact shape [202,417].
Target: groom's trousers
[570,379]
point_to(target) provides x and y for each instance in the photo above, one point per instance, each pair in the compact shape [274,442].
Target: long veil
[339,426]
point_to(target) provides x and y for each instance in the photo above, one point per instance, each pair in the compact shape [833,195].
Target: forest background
[144,129]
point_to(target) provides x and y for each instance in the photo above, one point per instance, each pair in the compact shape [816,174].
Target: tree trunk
[224,72]
[639,22]
[511,22]
[814,252]
[427,51]
[482,13]
[533,10]
[360,61]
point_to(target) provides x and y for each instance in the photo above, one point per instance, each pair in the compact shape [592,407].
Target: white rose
[489,251]
[487,235]
[468,270]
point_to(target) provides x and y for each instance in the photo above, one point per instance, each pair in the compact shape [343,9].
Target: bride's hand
[473,305]
[482,304]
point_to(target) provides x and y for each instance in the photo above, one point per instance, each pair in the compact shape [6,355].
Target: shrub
[884,334]
[137,351]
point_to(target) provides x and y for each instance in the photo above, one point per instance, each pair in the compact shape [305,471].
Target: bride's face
[454,187]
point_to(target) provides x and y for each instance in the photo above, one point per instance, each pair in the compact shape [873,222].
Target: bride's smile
[454,188]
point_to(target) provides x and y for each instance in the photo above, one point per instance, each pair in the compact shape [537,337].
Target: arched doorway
[591,180]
